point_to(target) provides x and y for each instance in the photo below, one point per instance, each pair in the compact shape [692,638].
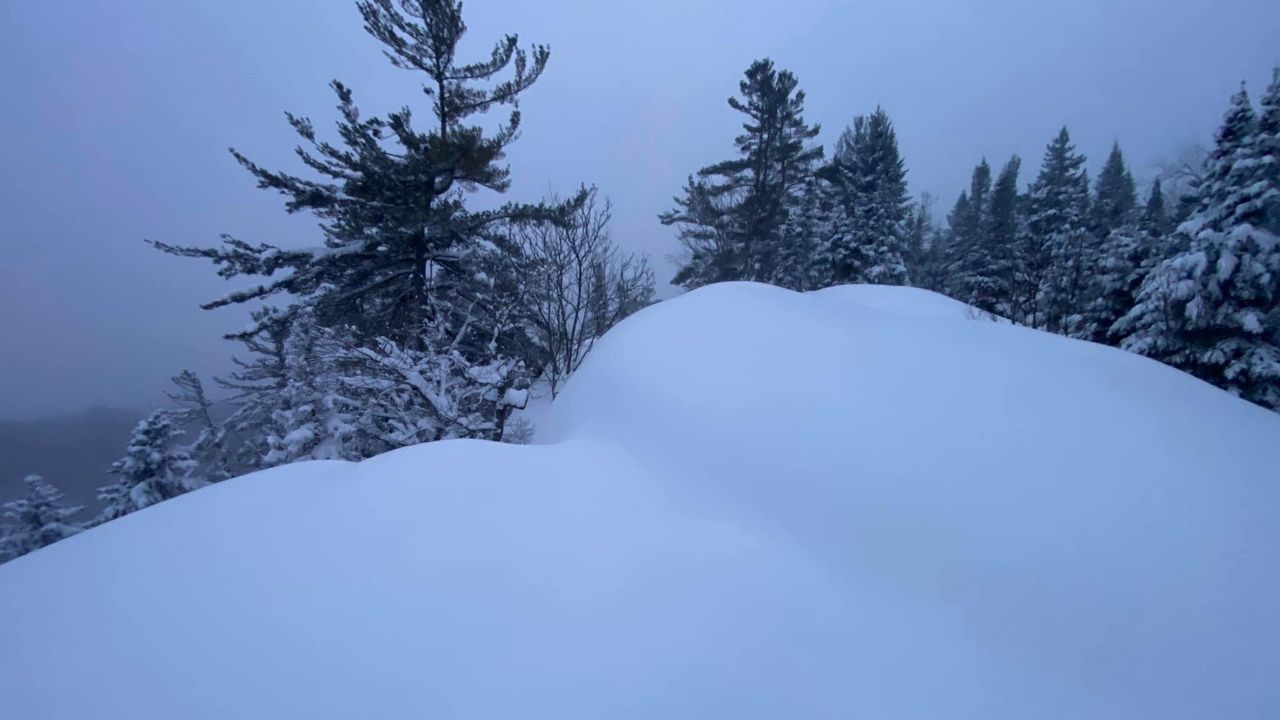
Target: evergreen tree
[1061,251]
[257,384]
[36,520]
[808,226]
[1155,219]
[1129,254]
[405,262]
[1115,198]
[975,265]
[209,450]
[1267,151]
[1211,309]
[1120,247]
[152,470]
[1004,231]
[732,216]
[313,420]
[868,242]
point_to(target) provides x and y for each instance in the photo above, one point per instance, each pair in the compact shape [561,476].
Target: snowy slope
[749,503]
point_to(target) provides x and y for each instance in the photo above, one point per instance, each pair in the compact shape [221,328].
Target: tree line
[1190,278]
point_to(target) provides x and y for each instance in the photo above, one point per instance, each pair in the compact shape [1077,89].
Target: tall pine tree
[974,267]
[406,261]
[1061,251]
[1120,245]
[733,216]
[1115,198]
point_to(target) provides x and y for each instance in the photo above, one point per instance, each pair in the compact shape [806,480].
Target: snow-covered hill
[857,503]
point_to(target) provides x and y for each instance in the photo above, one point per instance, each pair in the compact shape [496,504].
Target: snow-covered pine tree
[257,386]
[153,469]
[37,519]
[1128,256]
[1061,251]
[973,268]
[807,228]
[1115,195]
[1005,227]
[313,419]
[1120,248]
[405,260]
[209,451]
[868,243]
[732,216]
[1267,152]
[1211,309]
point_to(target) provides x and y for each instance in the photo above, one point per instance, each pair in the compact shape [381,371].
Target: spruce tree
[868,243]
[1115,198]
[37,519]
[1155,218]
[1267,151]
[732,217]
[1211,309]
[1061,251]
[1119,247]
[152,470]
[975,273]
[1004,229]
[807,227]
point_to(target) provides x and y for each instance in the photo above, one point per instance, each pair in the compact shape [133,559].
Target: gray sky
[117,116]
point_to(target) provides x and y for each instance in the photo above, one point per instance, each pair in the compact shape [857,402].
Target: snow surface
[749,503]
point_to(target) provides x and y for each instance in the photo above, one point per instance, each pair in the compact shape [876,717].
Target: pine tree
[868,241]
[405,262]
[152,470]
[1115,198]
[1120,247]
[1129,254]
[209,450]
[1061,251]
[1267,150]
[1004,231]
[732,216]
[1211,309]
[975,277]
[1155,218]
[313,420]
[807,227]
[257,384]
[37,519]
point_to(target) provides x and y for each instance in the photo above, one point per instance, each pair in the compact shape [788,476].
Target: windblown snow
[864,502]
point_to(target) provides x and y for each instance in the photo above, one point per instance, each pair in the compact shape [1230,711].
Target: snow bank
[749,503]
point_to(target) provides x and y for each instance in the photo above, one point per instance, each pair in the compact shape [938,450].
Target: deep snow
[857,503]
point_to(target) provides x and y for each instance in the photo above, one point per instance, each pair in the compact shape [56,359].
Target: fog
[117,117]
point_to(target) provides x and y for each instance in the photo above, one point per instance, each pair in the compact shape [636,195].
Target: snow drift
[749,503]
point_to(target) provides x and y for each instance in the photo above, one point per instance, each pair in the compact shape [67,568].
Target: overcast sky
[117,116]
